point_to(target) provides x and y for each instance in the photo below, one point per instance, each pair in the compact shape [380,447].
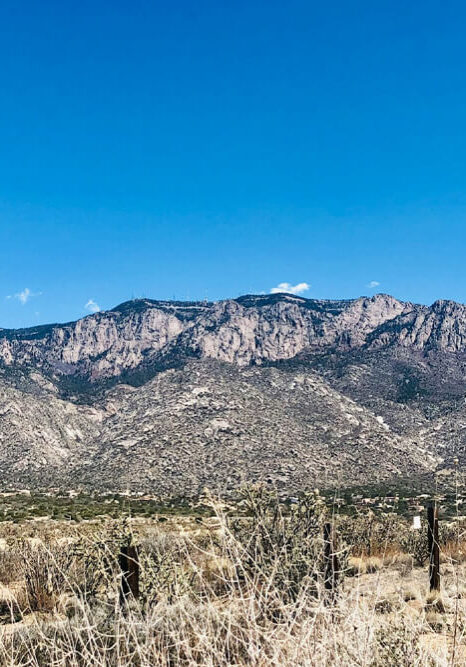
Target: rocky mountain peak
[441,326]
[447,307]
[175,395]
[251,329]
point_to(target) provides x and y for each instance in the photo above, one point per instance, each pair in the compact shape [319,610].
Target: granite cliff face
[256,330]
[440,327]
[100,345]
[243,331]
[173,396]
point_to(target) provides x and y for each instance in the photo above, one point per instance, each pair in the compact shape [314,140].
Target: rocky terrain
[171,397]
[251,329]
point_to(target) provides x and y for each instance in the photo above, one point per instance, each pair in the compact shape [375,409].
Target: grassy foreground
[244,586]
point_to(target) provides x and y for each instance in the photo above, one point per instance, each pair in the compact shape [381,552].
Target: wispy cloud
[373,284]
[24,296]
[290,289]
[92,306]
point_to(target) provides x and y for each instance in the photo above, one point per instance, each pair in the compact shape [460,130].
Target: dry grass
[205,601]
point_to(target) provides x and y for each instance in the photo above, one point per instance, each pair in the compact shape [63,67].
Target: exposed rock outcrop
[245,330]
[170,396]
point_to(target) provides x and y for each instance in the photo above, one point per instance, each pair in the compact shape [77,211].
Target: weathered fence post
[434,550]
[128,560]
[331,562]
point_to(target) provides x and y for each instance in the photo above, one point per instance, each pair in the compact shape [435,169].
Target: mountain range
[169,397]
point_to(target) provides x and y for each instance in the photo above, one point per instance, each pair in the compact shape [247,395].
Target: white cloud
[24,296]
[290,289]
[373,284]
[92,306]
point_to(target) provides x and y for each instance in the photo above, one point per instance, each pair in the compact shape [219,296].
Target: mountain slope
[215,424]
[40,433]
[171,396]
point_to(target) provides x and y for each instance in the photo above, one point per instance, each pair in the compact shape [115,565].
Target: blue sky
[209,149]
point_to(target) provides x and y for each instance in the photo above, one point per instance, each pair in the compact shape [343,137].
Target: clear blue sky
[194,149]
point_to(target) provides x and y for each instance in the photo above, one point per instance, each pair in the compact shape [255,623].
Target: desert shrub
[163,560]
[163,570]
[10,564]
[85,566]
[282,547]
[396,645]
[45,570]
[370,534]
[416,544]
[449,533]
[241,592]
[95,568]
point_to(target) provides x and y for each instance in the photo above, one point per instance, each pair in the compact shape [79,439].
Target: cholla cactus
[370,535]
[416,544]
[282,545]
[396,645]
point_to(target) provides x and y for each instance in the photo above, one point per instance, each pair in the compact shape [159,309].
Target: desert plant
[242,591]
[372,535]
[416,544]
[45,570]
[282,546]
[396,645]
[162,571]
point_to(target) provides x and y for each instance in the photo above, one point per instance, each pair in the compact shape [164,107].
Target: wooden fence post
[434,550]
[129,565]
[331,562]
